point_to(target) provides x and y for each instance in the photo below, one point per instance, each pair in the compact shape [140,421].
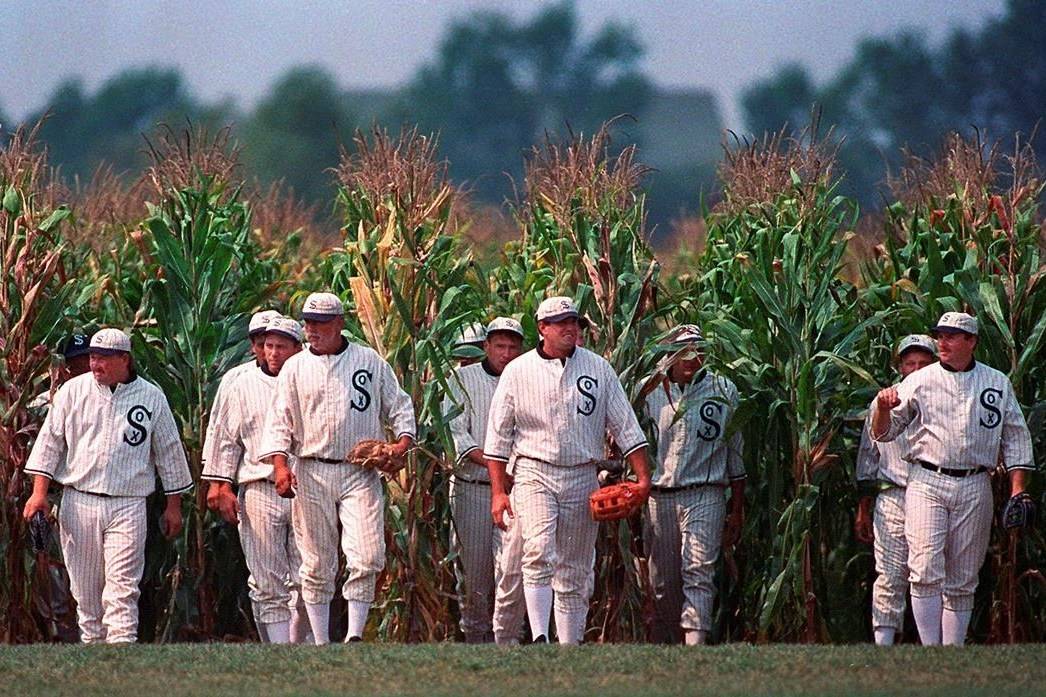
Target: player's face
[258,346]
[559,337]
[501,348]
[110,370]
[913,360]
[324,337]
[684,369]
[278,349]
[956,348]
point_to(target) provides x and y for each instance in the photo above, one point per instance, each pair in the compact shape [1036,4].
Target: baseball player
[265,527]
[469,346]
[75,361]
[107,436]
[473,539]
[328,399]
[960,416]
[882,473]
[697,459]
[551,410]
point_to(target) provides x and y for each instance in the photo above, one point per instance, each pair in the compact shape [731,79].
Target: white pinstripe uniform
[960,420]
[325,405]
[265,527]
[553,415]
[882,465]
[106,447]
[473,537]
[687,508]
[510,609]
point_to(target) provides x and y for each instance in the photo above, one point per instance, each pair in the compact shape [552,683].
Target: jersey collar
[971,366]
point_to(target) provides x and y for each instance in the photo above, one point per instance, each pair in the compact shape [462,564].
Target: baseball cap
[685,333]
[110,341]
[556,309]
[917,341]
[471,334]
[259,320]
[285,326]
[76,345]
[322,307]
[505,324]
[956,322]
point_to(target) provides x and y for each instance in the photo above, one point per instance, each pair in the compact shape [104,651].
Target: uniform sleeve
[168,454]
[279,426]
[1016,438]
[901,415]
[621,419]
[735,464]
[226,445]
[211,443]
[460,425]
[50,448]
[867,467]
[396,408]
[501,422]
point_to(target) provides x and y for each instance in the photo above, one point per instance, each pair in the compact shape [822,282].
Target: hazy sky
[237,48]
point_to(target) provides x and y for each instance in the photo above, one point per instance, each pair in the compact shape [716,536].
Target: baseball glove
[39,532]
[614,502]
[1019,511]
[376,454]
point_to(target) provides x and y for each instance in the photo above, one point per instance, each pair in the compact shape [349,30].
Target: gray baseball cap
[285,326]
[110,341]
[556,309]
[505,324]
[917,341]
[322,307]
[259,320]
[955,323]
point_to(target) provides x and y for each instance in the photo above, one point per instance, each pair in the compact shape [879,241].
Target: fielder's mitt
[614,502]
[39,532]
[376,454]
[1019,511]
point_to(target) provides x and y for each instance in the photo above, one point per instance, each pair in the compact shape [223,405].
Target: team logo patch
[990,399]
[137,416]
[586,385]
[360,380]
[709,413]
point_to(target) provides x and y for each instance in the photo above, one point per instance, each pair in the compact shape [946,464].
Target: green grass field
[454,669]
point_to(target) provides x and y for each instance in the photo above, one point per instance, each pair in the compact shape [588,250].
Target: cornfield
[798,319]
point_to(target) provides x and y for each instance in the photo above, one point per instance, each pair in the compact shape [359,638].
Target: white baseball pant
[948,523]
[683,535]
[103,544]
[472,541]
[327,494]
[267,538]
[510,607]
[559,535]
[891,560]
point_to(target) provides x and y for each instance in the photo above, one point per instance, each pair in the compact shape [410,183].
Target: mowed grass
[454,669]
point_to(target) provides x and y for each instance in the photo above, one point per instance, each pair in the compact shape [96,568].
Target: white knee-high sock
[319,618]
[278,632]
[695,637]
[954,624]
[300,632]
[539,608]
[358,610]
[884,636]
[927,611]
[570,626]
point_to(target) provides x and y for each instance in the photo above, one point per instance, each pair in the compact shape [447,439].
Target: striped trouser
[559,535]
[272,555]
[327,494]
[683,532]
[103,543]
[472,541]
[948,523]
[510,607]
[891,560]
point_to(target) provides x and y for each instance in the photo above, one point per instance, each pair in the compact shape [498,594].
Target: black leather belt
[471,481]
[960,473]
[326,460]
[91,493]
[674,489]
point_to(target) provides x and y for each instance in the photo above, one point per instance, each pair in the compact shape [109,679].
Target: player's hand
[214,494]
[286,482]
[36,503]
[642,488]
[863,523]
[171,521]
[500,506]
[887,398]
[228,507]
[735,523]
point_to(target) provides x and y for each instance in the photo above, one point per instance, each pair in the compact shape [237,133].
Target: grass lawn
[453,669]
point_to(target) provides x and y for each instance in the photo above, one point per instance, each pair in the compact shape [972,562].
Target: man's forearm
[475,456]
[1018,481]
[737,496]
[174,501]
[40,485]
[637,460]
[880,422]
[498,471]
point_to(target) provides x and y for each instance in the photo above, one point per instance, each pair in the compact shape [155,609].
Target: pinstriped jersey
[559,411]
[111,442]
[881,461]
[326,404]
[471,390]
[239,426]
[961,419]
[690,424]
[210,440]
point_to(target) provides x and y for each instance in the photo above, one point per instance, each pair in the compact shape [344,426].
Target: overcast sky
[237,48]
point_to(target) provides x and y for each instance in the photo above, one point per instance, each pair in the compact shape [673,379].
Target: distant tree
[295,131]
[787,96]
